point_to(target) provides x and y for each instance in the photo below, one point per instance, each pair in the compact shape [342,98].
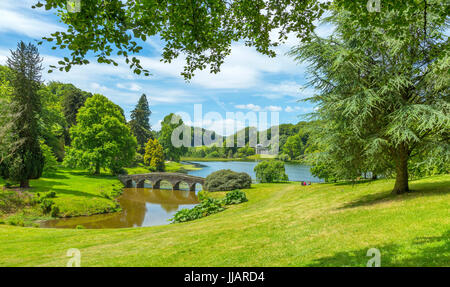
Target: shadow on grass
[423,251]
[354,182]
[90,175]
[417,190]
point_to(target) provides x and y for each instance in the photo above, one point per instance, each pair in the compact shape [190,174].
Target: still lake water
[148,207]
[295,172]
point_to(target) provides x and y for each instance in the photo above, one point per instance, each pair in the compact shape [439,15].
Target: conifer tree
[140,123]
[26,161]
[383,93]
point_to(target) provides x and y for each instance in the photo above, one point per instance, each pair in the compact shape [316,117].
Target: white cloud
[17,18]
[274,108]
[251,107]
[256,108]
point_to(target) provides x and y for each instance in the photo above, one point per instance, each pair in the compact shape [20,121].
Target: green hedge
[225,180]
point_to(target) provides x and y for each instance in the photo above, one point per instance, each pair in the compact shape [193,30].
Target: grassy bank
[171,166]
[280,225]
[77,193]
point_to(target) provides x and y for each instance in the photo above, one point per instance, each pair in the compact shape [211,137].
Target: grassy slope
[281,225]
[170,166]
[77,192]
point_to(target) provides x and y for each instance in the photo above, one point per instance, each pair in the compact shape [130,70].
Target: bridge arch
[175,179]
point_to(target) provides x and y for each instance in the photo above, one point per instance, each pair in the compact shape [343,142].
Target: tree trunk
[401,165]
[24,183]
[97,169]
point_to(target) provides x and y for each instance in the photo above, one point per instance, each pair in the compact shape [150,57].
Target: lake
[295,172]
[140,207]
[149,207]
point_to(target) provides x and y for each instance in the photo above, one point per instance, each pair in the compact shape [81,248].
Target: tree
[202,30]
[50,162]
[26,161]
[52,122]
[170,123]
[70,100]
[101,138]
[294,146]
[270,171]
[139,124]
[384,92]
[154,155]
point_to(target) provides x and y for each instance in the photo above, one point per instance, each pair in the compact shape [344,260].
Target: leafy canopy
[154,155]
[101,138]
[383,92]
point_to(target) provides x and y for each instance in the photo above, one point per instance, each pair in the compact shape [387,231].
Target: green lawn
[77,192]
[171,166]
[280,225]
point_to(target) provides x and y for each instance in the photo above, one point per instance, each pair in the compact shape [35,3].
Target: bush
[46,205]
[55,211]
[235,197]
[50,160]
[270,171]
[51,194]
[206,207]
[284,157]
[225,179]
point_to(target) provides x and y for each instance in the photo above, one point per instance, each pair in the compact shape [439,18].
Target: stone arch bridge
[156,177]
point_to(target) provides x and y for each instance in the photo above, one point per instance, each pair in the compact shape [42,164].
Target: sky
[248,81]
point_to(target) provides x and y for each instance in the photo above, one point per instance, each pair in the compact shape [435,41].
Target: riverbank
[171,166]
[249,158]
[77,193]
[280,225]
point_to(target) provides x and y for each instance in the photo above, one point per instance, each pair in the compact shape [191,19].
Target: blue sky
[248,81]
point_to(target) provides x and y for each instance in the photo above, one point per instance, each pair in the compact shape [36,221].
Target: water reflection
[140,207]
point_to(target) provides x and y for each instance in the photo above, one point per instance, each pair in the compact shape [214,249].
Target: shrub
[270,171]
[54,211]
[206,207]
[284,157]
[46,205]
[50,160]
[154,155]
[80,227]
[225,179]
[51,194]
[235,197]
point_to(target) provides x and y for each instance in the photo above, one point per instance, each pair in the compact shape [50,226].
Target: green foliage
[140,123]
[50,161]
[52,122]
[206,207]
[154,156]
[209,205]
[225,179]
[383,91]
[294,146]
[235,197]
[25,161]
[270,171]
[284,157]
[202,31]
[101,138]
[71,99]
[171,126]
[46,205]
